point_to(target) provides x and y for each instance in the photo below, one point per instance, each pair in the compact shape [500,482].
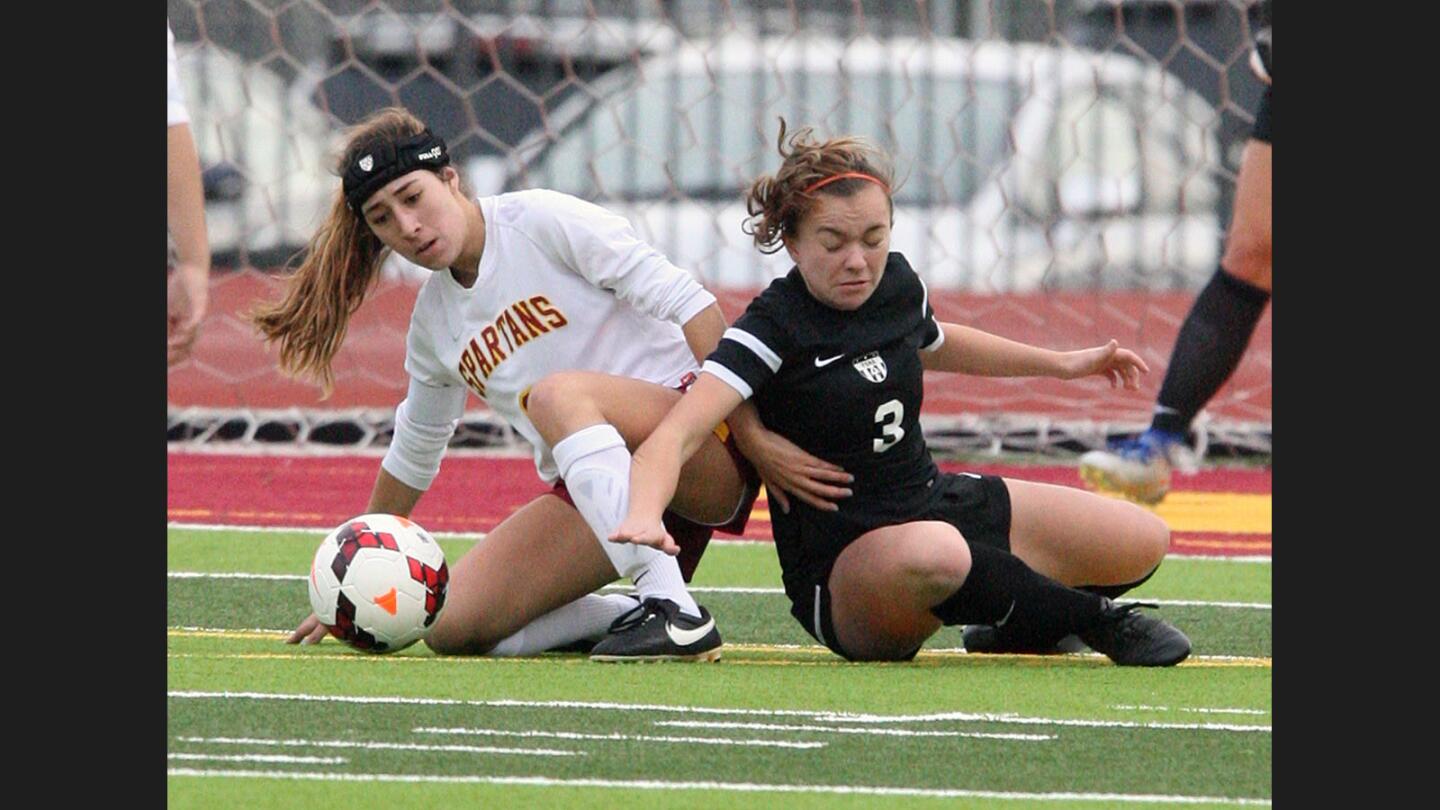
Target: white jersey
[175,112]
[563,285]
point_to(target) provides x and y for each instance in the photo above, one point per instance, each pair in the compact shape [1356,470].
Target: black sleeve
[751,351]
[930,335]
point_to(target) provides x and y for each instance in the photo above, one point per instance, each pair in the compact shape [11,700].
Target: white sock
[596,468]
[588,617]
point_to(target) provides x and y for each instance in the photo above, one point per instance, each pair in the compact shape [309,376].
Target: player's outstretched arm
[391,497]
[1119,366]
[967,350]
[655,471]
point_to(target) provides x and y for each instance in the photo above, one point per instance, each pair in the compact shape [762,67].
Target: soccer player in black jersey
[833,355]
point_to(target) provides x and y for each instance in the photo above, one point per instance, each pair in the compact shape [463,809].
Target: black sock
[1208,349]
[1033,607]
[1116,591]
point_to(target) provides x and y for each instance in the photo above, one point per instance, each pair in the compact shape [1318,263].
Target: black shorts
[977,505]
[1261,131]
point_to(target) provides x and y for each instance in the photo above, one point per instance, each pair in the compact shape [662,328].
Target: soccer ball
[378,582]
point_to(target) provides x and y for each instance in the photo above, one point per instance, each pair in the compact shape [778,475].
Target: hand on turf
[1119,366]
[310,631]
[787,470]
[645,533]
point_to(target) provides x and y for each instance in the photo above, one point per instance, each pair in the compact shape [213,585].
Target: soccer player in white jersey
[189,285]
[527,284]
[913,548]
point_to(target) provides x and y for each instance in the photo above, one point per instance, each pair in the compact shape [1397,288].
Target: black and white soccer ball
[379,582]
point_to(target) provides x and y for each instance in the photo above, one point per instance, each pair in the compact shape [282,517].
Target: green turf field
[779,721]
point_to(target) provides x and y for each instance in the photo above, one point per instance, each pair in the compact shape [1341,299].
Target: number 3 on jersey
[888,417]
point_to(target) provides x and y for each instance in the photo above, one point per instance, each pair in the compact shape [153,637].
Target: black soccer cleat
[1133,639]
[989,639]
[579,645]
[656,630]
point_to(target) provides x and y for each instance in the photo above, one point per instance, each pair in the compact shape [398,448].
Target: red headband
[841,176]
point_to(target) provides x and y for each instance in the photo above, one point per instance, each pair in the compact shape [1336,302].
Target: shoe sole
[707,656]
[1101,480]
[1165,663]
[1067,645]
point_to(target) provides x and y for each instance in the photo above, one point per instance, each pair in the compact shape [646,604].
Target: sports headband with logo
[387,160]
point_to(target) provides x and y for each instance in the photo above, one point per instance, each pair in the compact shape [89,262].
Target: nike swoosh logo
[822,363]
[684,637]
[1006,617]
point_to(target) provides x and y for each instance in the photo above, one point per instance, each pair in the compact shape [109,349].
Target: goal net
[1067,174]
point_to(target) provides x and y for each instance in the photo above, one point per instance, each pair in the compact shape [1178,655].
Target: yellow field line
[925,656]
[1216,512]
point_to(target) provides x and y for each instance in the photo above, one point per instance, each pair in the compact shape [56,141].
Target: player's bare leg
[710,486]
[1104,545]
[541,557]
[592,421]
[883,586]
[1080,538]
[894,587]
[1248,243]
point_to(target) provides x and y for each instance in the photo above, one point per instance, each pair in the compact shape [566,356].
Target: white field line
[260,758]
[715,589]
[231,575]
[719,541]
[575,735]
[890,732]
[1190,709]
[809,714]
[734,787]
[381,746]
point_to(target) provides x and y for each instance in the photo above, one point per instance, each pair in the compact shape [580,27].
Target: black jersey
[846,387]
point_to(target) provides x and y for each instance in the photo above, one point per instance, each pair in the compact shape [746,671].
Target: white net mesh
[1068,169]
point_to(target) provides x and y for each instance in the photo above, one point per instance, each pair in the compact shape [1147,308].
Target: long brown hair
[338,267]
[778,203]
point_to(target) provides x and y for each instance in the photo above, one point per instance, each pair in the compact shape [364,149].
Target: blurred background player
[1215,333]
[189,282]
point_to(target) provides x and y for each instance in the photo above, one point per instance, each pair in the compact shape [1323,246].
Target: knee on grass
[443,640]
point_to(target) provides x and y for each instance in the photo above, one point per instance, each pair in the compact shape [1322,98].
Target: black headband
[386,160]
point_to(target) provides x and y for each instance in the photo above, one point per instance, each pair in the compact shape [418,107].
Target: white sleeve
[175,112]
[604,249]
[424,422]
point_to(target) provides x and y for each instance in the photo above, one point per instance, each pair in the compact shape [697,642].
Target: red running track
[473,493]
[232,368]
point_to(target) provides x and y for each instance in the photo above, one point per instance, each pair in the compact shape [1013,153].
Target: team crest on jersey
[871,366]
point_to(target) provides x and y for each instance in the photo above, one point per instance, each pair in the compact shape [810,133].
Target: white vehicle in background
[1023,167]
